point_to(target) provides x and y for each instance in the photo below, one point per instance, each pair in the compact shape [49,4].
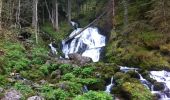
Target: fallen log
[70,38]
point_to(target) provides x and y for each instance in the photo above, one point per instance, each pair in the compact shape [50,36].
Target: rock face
[35,98]
[77,58]
[12,95]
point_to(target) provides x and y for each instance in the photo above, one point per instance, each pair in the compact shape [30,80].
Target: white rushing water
[109,87]
[162,77]
[88,43]
[53,49]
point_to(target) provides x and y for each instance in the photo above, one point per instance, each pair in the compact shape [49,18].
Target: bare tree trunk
[113,13]
[78,8]
[35,18]
[125,5]
[50,15]
[56,16]
[52,18]
[0,15]
[18,14]
[69,10]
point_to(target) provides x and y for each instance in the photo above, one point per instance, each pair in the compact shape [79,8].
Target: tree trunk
[113,13]
[69,10]
[35,19]
[125,5]
[0,15]
[78,8]
[56,16]
[18,14]
[50,15]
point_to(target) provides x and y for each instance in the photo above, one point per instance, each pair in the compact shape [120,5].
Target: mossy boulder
[133,74]
[165,49]
[106,70]
[135,91]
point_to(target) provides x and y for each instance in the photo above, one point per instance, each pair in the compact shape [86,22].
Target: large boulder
[79,59]
[12,95]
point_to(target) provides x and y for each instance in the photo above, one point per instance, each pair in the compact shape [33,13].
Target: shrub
[53,94]
[72,88]
[3,80]
[24,89]
[87,71]
[65,68]
[92,95]
[44,69]
[68,76]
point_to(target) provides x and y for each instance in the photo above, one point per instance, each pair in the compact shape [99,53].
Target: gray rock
[12,95]
[56,74]
[42,82]
[78,58]
[1,89]
[35,98]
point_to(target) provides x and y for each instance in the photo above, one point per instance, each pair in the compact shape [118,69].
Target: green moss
[135,91]
[165,48]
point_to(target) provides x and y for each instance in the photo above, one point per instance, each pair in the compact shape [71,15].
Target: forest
[84,49]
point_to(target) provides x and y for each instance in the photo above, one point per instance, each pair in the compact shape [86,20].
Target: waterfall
[88,43]
[162,77]
[109,87]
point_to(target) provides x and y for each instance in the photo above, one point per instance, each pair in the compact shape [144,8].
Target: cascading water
[88,43]
[162,77]
[109,87]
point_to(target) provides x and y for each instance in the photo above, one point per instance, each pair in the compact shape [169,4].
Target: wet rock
[158,86]
[12,95]
[77,58]
[35,98]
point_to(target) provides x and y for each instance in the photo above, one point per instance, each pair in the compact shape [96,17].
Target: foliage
[59,35]
[15,59]
[39,55]
[92,95]
[159,15]
[3,80]
[65,68]
[44,69]
[72,88]
[24,89]
[53,94]
[135,91]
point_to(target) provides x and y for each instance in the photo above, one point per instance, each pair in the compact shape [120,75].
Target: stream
[161,77]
